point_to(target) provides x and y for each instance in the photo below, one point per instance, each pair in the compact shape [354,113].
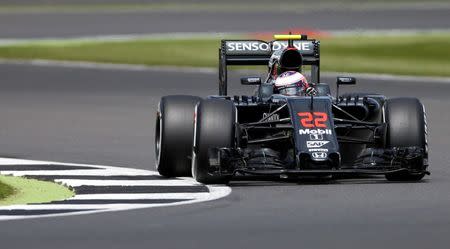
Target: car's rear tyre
[214,128]
[406,127]
[174,133]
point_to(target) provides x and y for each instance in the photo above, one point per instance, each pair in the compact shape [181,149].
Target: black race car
[270,134]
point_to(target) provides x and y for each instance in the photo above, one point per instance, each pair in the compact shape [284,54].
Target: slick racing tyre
[214,128]
[406,127]
[174,134]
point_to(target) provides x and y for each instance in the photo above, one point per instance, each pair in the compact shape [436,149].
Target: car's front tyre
[406,127]
[214,128]
[174,135]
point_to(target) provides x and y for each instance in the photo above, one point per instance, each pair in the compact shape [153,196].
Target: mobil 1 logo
[315,137]
[318,132]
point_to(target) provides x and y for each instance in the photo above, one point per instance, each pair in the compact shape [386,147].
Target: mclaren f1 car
[270,134]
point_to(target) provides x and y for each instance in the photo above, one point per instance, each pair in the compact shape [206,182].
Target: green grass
[193,52]
[19,190]
[407,55]
[5,191]
[425,55]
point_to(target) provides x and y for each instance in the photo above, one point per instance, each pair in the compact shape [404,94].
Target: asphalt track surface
[49,25]
[107,117]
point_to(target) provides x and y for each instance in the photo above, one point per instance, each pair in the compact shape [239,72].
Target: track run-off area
[101,188]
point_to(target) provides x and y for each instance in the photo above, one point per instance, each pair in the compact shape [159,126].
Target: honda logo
[319,155]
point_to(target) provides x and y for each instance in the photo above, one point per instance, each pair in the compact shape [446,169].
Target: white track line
[168,182]
[14,161]
[180,197]
[108,66]
[390,77]
[9,161]
[385,32]
[129,67]
[91,172]
[118,38]
[82,206]
[149,196]
[216,192]
[58,41]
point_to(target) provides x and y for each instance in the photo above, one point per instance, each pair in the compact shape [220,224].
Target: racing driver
[292,83]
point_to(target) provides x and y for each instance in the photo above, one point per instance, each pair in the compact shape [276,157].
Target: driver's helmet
[291,83]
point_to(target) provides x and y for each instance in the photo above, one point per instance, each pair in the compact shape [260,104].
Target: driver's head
[282,61]
[291,60]
[291,83]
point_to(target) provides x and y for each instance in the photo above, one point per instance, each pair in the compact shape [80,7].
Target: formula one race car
[288,136]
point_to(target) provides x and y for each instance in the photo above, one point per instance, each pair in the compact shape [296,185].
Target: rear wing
[257,52]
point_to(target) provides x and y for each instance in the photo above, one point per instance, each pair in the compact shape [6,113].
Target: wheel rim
[194,155]
[158,135]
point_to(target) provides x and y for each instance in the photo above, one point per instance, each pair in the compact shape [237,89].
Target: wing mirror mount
[346,80]
[343,80]
[251,81]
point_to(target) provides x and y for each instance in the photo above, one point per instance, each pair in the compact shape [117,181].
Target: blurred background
[70,18]
[187,33]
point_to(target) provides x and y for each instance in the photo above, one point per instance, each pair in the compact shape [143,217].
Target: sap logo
[314,131]
[315,136]
[319,155]
[316,144]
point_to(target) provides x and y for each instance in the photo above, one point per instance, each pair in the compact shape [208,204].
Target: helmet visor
[292,90]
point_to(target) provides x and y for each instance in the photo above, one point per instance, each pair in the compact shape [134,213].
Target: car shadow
[248,181]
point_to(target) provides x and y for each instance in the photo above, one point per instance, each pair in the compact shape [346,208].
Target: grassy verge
[401,55]
[19,190]
[406,55]
[5,191]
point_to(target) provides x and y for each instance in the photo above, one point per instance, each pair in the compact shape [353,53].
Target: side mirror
[251,81]
[343,81]
[346,80]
